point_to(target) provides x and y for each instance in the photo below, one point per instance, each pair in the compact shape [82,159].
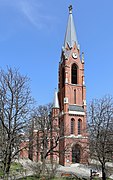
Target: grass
[29,178]
[16,166]
[35,178]
[1,172]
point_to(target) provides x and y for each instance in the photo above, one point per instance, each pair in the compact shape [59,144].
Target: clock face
[74,55]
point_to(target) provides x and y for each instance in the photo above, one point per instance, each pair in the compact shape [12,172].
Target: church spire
[70,36]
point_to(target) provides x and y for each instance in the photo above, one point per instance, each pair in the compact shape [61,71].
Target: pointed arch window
[74,74]
[72,126]
[63,77]
[79,126]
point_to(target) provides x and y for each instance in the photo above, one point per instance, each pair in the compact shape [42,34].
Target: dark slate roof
[70,36]
[76,108]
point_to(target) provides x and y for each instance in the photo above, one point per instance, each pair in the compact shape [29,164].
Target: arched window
[74,74]
[79,126]
[72,126]
[63,77]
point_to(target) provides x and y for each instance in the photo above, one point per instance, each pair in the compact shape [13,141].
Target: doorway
[76,154]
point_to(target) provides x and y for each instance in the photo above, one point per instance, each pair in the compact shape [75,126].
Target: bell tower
[72,99]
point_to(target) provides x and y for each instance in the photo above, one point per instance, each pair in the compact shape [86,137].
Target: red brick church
[71,100]
[69,107]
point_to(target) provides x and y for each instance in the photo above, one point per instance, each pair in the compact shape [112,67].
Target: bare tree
[101,131]
[46,134]
[15,101]
[0,141]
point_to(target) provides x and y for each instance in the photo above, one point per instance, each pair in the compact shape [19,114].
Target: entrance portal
[76,154]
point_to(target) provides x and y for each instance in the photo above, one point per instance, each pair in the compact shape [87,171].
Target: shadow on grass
[45,178]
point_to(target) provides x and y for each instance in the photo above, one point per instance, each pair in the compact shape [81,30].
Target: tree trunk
[7,162]
[44,158]
[103,172]
[43,166]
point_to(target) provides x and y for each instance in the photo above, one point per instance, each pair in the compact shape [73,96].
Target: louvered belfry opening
[74,74]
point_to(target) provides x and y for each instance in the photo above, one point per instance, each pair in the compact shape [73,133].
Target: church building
[69,109]
[70,102]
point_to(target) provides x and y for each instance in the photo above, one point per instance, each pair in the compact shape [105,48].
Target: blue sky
[32,34]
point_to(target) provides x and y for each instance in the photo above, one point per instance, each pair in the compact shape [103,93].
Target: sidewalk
[83,171]
[79,170]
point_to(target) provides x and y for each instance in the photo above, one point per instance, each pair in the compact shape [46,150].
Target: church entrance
[76,154]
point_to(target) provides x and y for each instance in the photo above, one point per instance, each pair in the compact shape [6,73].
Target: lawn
[35,178]
[29,178]
[16,167]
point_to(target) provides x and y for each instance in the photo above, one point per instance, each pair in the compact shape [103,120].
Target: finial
[55,102]
[70,9]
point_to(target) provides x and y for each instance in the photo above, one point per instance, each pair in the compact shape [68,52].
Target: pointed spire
[70,36]
[55,102]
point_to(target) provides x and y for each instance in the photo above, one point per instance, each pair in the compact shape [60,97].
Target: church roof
[70,36]
[55,101]
[76,108]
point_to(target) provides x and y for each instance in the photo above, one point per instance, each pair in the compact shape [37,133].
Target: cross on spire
[70,9]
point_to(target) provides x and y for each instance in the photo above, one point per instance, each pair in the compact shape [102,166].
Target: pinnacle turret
[55,102]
